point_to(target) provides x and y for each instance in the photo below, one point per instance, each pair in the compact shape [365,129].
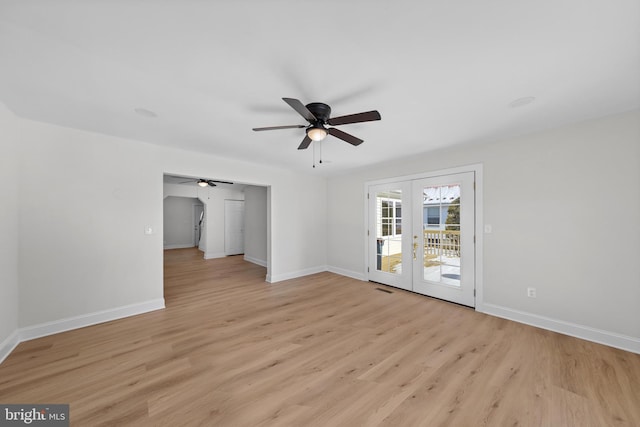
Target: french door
[421,236]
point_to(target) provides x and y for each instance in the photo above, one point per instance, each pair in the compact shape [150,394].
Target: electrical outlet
[531,292]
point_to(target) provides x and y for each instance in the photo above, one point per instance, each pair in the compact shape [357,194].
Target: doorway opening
[224,218]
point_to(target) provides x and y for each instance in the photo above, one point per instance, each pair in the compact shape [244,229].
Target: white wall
[255,231]
[545,196]
[87,198]
[9,139]
[178,222]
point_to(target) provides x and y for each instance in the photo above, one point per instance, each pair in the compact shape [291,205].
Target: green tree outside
[453,216]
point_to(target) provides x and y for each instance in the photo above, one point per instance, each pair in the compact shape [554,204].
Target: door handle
[415,247]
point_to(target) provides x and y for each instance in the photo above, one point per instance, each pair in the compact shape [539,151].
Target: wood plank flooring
[323,350]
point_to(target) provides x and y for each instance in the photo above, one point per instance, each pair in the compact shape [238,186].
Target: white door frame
[477,169]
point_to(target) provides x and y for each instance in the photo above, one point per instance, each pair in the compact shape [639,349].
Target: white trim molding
[8,345]
[179,246]
[599,336]
[257,261]
[212,255]
[314,270]
[295,274]
[76,322]
[347,273]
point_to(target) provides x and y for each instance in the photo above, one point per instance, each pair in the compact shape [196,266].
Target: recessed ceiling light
[146,113]
[521,102]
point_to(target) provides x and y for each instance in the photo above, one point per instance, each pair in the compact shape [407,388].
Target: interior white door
[443,239]
[233,227]
[421,236]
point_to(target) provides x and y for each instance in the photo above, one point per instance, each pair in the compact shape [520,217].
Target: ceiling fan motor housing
[321,111]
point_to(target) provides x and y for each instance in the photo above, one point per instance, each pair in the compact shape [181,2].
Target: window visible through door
[391,217]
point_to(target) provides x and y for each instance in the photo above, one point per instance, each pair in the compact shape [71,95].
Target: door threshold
[417,293]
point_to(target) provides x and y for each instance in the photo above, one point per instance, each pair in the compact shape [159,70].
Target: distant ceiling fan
[318,116]
[206,182]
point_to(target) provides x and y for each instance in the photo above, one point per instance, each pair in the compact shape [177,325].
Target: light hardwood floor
[323,350]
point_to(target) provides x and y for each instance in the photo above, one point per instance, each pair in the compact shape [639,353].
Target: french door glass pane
[441,234]
[389,231]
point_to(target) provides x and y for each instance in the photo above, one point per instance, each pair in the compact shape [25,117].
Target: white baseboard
[599,336]
[8,345]
[76,322]
[295,274]
[57,326]
[182,246]
[347,273]
[314,270]
[255,261]
[212,255]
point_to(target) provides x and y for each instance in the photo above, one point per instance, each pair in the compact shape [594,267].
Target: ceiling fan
[206,182]
[319,115]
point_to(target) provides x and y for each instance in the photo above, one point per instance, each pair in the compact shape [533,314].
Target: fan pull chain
[320,145]
[314,155]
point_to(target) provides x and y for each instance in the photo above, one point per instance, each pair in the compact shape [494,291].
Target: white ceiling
[440,72]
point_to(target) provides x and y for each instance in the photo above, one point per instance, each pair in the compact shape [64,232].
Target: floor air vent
[384,290]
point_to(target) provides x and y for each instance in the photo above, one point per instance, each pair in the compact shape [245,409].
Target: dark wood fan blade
[220,182]
[301,109]
[305,143]
[280,127]
[345,136]
[368,116]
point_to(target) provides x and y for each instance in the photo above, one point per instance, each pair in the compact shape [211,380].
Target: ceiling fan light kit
[318,115]
[316,133]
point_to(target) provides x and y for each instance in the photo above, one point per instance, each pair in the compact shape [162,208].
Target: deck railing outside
[447,240]
[436,243]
